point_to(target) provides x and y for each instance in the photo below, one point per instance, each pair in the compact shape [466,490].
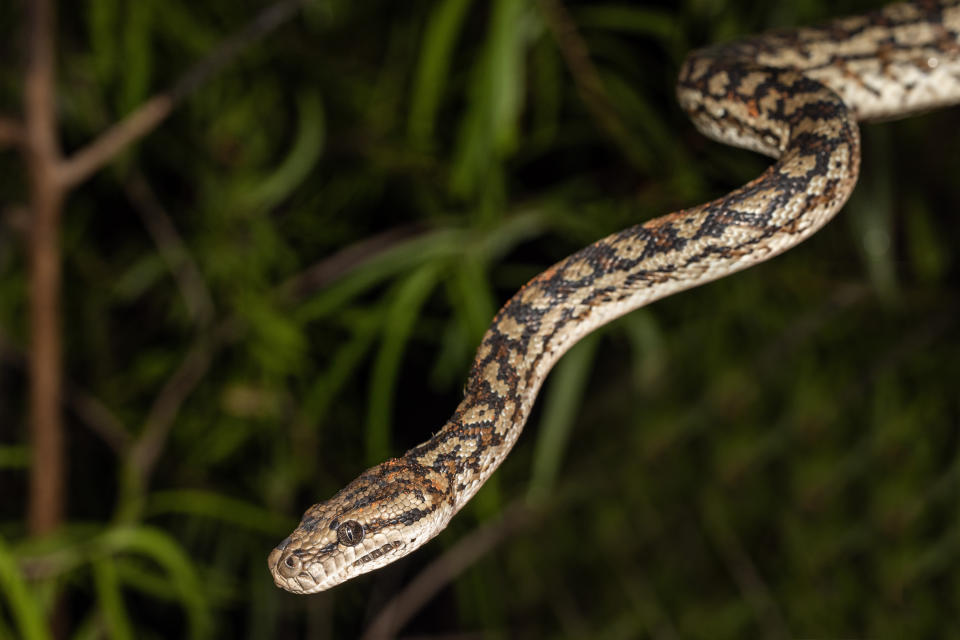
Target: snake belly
[793,95]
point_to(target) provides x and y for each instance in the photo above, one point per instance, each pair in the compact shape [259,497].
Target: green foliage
[25,610]
[334,220]
[560,403]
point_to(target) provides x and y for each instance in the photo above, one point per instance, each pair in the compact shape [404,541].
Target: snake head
[386,513]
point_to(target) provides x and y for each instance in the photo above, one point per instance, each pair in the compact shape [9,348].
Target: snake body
[794,95]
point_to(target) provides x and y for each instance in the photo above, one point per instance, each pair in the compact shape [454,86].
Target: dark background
[287,279]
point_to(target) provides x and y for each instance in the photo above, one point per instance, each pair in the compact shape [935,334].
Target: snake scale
[794,95]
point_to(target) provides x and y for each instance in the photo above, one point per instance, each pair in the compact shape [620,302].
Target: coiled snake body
[794,95]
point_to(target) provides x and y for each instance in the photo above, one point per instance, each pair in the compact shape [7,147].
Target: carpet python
[794,95]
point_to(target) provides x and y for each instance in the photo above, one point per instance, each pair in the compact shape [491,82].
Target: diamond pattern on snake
[794,95]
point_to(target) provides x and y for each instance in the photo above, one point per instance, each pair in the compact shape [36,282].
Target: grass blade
[403,312]
[560,405]
[26,612]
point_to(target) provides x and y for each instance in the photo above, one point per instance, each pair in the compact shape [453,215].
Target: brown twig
[101,420]
[148,448]
[85,162]
[46,198]
[149,445]
[743,570]
[328,270]
[444,569]
[172,249]
[590,87]
[89,409]
[50,177]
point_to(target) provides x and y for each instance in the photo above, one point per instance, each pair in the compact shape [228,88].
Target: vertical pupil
[350,533]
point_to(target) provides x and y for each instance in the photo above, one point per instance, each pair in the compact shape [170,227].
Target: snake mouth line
[314,576]
[376,553]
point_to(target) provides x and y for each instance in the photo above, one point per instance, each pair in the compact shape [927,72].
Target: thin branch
[40,118]
[743,570]
[101,420]
[149,445]
[331,268]
[172,249]
[590,87]
[446,568]
[46,504]
[86,161]
[89,409]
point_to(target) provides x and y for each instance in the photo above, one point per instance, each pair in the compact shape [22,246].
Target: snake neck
[792,95]
[795,96]
[817,140]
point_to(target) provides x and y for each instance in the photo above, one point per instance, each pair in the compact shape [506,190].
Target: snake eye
[350,533]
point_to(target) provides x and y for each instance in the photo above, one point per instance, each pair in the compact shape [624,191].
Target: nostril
[289,565]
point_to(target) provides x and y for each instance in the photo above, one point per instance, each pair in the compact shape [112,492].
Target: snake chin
[298,572]
[383,515]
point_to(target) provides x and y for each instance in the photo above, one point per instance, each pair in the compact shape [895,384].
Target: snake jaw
[312,574]
[383,515]
[300,567]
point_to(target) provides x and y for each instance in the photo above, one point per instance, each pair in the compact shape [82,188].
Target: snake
[795,95]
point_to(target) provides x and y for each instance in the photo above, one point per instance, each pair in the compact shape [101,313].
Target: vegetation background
[284,280]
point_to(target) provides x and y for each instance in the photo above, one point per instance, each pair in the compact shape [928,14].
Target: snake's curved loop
[794,95]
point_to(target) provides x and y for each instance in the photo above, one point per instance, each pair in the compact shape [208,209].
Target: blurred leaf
[207,504]
[342,364]
[489,130]
[419,250]
[654,23]
[276,339]
[928,255]
[300,160]
[137,573]
[14,457]
[404,310]
[177,23]
[871,217]
[505,75]
[648,344]
[139,277]
[546,93]
[29,618]
[473,299]
[166,552]
[110,598]
[561,404]
[137,54]
[442,30]
[103,18]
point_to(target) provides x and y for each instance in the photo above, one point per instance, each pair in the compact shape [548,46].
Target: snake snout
[285,564]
